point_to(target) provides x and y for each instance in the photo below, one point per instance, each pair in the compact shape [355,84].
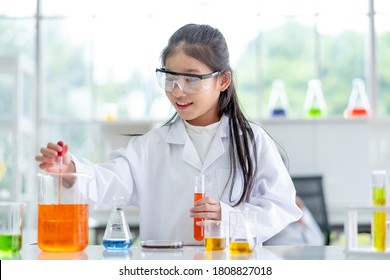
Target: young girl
[209,136]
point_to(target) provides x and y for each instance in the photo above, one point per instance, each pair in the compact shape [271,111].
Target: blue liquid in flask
[117,235]
[117,244]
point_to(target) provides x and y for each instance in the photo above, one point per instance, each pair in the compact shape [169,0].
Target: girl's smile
[181,106]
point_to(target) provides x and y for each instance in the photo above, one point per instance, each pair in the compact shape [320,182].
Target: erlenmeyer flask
[314,106]
[358,104]
[117,235]
[278,102]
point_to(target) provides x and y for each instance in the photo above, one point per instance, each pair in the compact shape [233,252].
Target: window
[96,59]
[17,95]
[382,27]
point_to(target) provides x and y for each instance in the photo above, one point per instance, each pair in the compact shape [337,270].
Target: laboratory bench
[98,252]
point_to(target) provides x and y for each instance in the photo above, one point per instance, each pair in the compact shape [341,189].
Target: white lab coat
[307,232]
[156,172]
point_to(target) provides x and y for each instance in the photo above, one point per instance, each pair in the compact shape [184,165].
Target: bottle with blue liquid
[117,235]
[278,104]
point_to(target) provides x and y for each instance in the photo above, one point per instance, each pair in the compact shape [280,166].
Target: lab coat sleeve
[111,179]
[305,232]
[273,195]
[311,230]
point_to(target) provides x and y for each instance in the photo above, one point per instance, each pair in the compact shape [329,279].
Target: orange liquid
[62,227]
[357,112]
[198,230]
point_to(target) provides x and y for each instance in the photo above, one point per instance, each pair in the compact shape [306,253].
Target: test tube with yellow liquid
[378,226]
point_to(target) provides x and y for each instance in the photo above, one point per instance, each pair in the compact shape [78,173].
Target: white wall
[343,151]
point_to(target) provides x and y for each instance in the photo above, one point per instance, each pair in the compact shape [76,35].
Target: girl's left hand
[206,208]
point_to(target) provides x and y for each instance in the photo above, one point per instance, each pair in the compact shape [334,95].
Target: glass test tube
[199,193]
[379,218]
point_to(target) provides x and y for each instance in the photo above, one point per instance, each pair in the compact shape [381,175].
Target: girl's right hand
[48,159]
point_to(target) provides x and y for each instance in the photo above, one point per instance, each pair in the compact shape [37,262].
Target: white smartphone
[161,244]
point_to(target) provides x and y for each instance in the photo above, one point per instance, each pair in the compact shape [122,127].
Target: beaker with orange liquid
[63,212]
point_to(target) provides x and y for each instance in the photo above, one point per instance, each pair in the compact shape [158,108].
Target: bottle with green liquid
[378,226]
[315,106]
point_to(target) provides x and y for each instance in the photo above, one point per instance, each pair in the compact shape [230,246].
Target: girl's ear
[225,80]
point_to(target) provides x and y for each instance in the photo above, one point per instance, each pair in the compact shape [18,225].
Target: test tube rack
[351,230]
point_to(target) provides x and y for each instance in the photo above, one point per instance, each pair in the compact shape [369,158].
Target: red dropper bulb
[61,143]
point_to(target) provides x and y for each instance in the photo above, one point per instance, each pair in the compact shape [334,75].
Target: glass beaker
[214,235]
[117,235]
[63,211]
[358,104]
[314,106]
[242,232]
[278,103]
[11,224]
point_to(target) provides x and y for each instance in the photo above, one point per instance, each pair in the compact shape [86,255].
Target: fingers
[49,167]
[206,208]
[66,147]
[49,156]
[56,148]
[51,150]
[206,200]
[206,215]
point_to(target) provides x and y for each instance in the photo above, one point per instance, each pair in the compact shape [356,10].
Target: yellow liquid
[214,243]
[379,220]
[240,247]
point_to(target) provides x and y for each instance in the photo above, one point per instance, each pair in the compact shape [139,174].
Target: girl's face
[199,109]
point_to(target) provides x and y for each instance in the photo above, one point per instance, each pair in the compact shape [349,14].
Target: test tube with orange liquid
[199,193]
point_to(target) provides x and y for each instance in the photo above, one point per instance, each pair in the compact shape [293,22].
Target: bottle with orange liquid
[63,212]
[358,104]
[199,193]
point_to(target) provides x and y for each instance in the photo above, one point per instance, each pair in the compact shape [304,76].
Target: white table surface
[98,252]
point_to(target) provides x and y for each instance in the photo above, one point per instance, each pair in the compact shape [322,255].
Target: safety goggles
[188,83]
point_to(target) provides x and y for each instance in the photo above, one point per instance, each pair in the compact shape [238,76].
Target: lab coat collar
[178,135]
